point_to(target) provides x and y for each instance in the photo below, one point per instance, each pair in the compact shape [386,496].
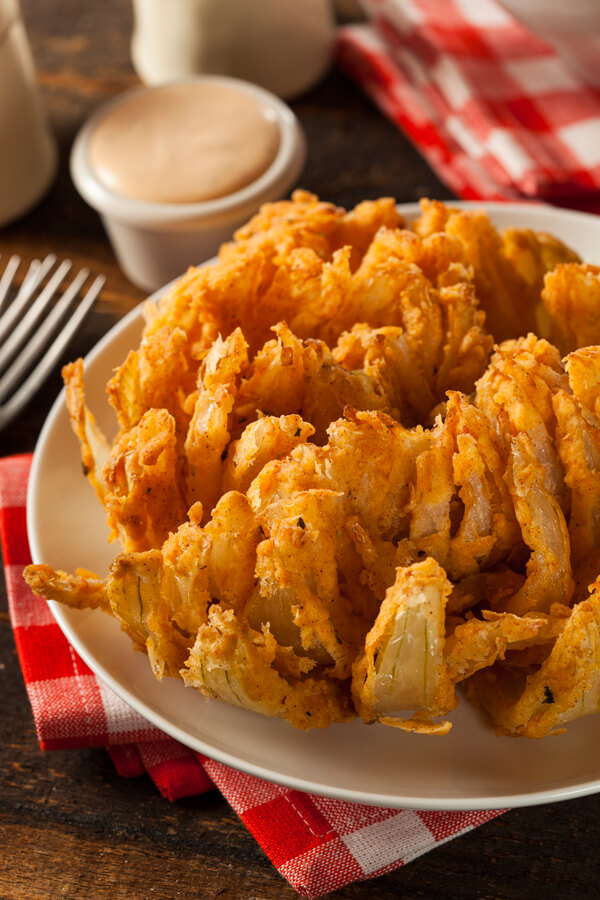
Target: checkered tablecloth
[317,844]
[494,110]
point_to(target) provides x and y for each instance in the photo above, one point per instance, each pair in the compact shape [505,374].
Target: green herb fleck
[139,591]
[231,688]
[548,695]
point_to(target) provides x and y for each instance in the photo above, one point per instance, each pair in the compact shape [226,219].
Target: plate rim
[59,613]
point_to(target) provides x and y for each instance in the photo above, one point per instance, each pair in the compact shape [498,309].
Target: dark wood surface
[69,826]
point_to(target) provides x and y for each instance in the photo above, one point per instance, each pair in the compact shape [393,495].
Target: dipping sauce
[183,143]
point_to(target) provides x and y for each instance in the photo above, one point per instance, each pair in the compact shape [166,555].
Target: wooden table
[69,826]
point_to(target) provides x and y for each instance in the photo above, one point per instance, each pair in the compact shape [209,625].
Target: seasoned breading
[384,356]
[507,268]
[564,687]
[144,497]
[544,529]
[266,439]
[571,306]
[234,663]
[293,376]
[516,393]
[583,367]
[94,446]
[461,512]
[84,590]
[331,502]
[298,592]
[152,377]
[478,643]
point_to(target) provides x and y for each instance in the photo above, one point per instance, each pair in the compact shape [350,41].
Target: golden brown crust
[318,460]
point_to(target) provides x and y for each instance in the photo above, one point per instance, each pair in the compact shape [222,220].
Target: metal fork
[32,335]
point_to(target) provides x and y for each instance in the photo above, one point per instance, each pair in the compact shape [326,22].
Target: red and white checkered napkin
[317,844]
[496,113]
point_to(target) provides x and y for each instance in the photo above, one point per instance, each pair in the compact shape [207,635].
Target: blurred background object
[349,10]
[28,156]
[282,45]
[497,111]
[572,28]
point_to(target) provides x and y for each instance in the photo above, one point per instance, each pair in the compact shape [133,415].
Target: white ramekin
[155,242]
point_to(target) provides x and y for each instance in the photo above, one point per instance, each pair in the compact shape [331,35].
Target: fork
[32,338]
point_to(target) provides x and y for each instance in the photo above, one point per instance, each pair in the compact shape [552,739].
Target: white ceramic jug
[281,45]
[28,155]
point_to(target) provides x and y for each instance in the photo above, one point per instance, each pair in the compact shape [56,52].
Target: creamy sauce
[183,143]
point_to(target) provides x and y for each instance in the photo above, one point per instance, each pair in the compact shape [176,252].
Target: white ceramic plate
[471,768]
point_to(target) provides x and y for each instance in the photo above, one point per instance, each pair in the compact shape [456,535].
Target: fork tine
[37,376]
[31,273]
[17,307]
[22,363]
[28,285]
[27,323]
[7,276]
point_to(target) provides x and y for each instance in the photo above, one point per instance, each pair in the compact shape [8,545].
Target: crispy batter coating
[266,439]
[151,377]
[369,459]
[84,590]
[507,269]
[293,376]
[332,502]
[384,356]
[582,367]
[478,643]
[544,529]
[571,298]
[95,449]
[516,393]
[306,221]
[236,664]
[461,512]
[205,443]
[143,497]
[565,686]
